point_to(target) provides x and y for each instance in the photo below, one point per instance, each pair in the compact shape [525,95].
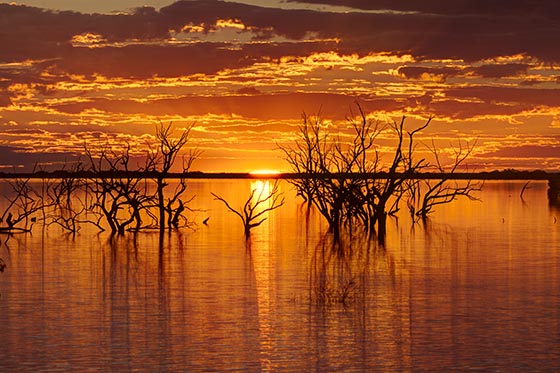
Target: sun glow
[265,172]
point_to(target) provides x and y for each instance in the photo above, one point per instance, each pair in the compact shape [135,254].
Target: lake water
[477,289]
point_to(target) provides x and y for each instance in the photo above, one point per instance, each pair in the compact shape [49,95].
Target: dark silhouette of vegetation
[160,163]
[109,191]
[424,194]
[553,191]
[118,194]
[122,193]
[253,212]
[24,204]
[345,176]
[349,183]
[67,198]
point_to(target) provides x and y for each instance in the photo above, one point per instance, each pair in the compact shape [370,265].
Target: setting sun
[265,172]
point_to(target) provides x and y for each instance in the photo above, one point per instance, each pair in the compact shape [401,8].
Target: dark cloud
[248,91]
[426,35]
[508,95]
[526,151]
[457,109]
[25,160]
[32,33]
[279,106]
[500,71]
[419,72]
[443,72]
[146,61]
[529,82]
[5,99]
[547,8]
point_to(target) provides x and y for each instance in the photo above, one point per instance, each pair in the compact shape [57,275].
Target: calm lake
[478,288]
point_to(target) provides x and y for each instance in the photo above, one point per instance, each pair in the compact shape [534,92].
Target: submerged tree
[66,197]
[426,193]
[378,185]
[160,164]
[347,180]
[119,191]
[123,195]
[253,212]
[24,206]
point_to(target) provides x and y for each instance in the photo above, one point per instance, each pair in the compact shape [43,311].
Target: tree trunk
[161,204]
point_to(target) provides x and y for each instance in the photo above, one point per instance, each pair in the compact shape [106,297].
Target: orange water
[478,288]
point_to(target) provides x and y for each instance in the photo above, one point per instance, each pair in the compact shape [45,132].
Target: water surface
[477,288]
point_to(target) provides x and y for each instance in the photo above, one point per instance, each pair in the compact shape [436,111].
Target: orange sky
[243,74]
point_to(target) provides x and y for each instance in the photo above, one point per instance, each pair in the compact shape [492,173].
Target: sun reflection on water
[263,260]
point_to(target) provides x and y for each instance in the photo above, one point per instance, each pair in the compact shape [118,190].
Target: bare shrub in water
[252,214]
[346,180]
[161,160]
[121,192]
[23,208]
[426,193]
[118,192]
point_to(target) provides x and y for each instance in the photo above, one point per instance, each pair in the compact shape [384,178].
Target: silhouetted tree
[161,161]
[392,183]
[347,181]
[119,192]
[257,205]
[323,164]
[65,197]
[425,194]
[24,204]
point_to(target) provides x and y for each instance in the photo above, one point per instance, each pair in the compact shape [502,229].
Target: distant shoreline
[490,175]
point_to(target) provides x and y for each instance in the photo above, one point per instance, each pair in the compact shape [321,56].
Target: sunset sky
[243,72]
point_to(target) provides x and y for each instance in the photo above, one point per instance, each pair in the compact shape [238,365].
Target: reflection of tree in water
[140,269]
[340,268]
[554,194]
[358,310]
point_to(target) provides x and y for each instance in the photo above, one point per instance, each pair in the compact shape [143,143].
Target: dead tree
[253,212]
[429,193]
[321,168]
[346,180]
[24,204]
[68,206]
[161,161]
[120,193]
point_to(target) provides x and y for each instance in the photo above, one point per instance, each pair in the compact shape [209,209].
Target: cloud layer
[485,70]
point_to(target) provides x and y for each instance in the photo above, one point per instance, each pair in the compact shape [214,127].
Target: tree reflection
[553,194]
[340,268]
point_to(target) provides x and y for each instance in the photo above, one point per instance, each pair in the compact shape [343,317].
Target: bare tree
[24,204]
[120,192]
[161,161]
[253,212]
[401,169]
[322,165]
[65,198]
[347,181]
[429,193]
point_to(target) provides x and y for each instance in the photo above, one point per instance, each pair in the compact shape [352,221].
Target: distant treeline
[484,175]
